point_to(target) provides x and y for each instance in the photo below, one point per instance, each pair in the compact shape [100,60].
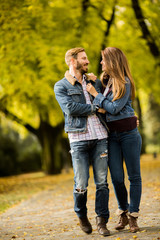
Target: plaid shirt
[95,129]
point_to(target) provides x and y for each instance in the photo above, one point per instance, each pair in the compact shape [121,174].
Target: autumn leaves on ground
[34,206]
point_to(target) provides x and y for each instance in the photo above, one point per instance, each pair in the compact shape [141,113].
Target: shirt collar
[72,79]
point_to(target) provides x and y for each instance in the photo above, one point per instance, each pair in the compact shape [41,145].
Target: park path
[49,214]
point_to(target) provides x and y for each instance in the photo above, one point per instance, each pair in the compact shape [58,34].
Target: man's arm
[68,106]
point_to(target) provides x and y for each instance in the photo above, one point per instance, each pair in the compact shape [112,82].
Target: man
[87,136]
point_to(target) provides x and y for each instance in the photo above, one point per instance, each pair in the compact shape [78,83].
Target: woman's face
[103,64]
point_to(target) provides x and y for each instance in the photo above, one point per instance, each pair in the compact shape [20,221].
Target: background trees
[34,36]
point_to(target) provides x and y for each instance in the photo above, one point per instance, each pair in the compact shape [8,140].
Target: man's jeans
[97,152]
[126,145]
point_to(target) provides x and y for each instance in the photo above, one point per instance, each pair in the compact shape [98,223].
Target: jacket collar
[73,80]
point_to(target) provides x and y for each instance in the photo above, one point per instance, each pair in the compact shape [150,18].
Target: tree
[34,37]
[32,60]
[126,34]
[28,71]
[151,42]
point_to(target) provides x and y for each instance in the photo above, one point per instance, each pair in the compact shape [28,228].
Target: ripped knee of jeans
[80,191]
[104,154]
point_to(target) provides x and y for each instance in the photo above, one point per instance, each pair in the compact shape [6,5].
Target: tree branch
[106,33]
[12,117]
[146,33]
[100,13]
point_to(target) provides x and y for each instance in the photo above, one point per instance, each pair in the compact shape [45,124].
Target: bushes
[8,156]
[30,155]
[18,155]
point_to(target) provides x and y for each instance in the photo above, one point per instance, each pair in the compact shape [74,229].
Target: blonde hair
[72,53]
[117,69]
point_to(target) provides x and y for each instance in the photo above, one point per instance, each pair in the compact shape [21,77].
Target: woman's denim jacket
[70,96]
[118,109]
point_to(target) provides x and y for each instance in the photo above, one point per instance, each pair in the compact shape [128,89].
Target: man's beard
[80,68]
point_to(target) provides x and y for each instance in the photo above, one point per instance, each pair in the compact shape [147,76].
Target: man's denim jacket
[118,109]
[70,96]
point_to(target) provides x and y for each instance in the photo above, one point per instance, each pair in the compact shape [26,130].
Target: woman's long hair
[117,69]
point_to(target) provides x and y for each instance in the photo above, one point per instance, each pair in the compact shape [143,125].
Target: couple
[99,117]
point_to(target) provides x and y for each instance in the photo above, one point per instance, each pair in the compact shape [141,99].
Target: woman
[124,138]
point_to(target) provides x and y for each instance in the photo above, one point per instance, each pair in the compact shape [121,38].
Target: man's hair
[72,53]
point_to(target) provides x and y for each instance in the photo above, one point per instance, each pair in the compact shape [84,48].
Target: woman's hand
[91,90]
[91,76]
[101,110]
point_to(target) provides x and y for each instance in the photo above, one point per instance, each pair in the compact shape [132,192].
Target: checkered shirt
[95,129]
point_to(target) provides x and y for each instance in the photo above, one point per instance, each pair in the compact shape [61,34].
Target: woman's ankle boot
[133,224]
[123,221]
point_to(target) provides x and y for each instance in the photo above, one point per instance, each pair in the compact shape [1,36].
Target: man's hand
[91,90]
[137,122]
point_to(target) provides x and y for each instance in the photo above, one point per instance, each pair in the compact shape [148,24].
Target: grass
[15,189]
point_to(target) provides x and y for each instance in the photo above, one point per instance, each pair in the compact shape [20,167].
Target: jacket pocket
[75,94]
[74,121]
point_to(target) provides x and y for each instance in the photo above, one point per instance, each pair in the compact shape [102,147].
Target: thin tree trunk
[106,34]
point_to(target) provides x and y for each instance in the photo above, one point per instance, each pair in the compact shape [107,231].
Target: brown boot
[133,224]
[85,225]
[123,221]
[101,226]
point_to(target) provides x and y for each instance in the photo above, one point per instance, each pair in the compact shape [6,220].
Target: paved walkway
[49,214]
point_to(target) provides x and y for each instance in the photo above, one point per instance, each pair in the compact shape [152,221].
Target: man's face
[82,62]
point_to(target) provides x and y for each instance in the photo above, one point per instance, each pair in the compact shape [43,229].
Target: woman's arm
[111,107]
[115,106]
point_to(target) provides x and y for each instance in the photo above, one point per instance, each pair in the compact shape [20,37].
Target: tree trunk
[137,107]
[51,142]
[106,34]
[145,30]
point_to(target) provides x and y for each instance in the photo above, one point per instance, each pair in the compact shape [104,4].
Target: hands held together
[94,93]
